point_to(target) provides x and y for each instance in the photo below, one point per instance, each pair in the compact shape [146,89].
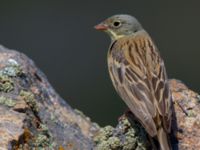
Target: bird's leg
[127,113]
[131,116]
[152,141]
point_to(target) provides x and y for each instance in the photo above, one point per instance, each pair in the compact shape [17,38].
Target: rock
[34,116]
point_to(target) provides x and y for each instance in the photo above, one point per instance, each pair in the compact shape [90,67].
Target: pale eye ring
[116,24]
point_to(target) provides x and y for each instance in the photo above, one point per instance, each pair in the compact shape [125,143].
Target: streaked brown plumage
[139,76]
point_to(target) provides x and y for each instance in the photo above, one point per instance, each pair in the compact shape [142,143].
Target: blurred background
[59,36]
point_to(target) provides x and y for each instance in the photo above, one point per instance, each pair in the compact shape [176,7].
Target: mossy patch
[39,141]
[53,117]
[114,142]
[123,137]
[12,69]
[191,113]
[7,101]
[43,140]
[6,83]
[103,134]
[105,139]
[29,98]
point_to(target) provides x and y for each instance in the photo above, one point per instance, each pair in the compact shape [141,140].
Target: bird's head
[118,26]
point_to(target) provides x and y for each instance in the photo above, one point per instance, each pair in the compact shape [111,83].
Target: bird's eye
[116,23]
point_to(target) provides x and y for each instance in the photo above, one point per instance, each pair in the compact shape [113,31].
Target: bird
[139,75]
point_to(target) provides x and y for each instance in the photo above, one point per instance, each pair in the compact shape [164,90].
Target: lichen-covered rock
[11,127]
[6,84]
[186,123]
[33,116]
[128,135]
[7,101]
[38,117]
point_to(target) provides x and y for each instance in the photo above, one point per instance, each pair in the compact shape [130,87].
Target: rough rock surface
[34,116]
[187,116]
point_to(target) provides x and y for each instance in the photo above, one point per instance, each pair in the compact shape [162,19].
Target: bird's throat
[113,35]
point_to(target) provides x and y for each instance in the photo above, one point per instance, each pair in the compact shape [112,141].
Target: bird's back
[138,74]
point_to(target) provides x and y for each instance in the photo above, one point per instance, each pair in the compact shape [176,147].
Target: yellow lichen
[7,101]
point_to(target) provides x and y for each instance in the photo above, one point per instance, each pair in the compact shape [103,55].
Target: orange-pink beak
[101,27]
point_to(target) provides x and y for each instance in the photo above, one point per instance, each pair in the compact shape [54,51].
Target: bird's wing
[158,80]
[140,79]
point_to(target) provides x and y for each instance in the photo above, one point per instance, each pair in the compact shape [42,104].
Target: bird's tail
[164,140]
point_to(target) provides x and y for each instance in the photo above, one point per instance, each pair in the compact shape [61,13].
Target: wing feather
[139,76]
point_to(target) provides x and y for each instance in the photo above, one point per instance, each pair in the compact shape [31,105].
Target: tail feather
[163,140]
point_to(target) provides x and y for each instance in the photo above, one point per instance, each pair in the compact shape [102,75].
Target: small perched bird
[138,74]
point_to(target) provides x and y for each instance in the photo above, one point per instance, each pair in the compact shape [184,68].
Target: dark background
[59,36]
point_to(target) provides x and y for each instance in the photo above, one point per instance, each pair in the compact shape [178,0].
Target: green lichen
[12,69]
[191,113]
[140,136]
[44,128]
[124,124]
[130,140]
[114,142]
[39,141]
[6,84]
[126,136]
[105,139]
[104,145]
[53,118]
[43,140]
[7,101]
[29,98]
[109,145]
[103,134]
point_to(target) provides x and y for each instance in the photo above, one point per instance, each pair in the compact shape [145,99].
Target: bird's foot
[127,113]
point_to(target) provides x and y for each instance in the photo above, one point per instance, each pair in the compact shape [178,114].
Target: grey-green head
[118,26]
